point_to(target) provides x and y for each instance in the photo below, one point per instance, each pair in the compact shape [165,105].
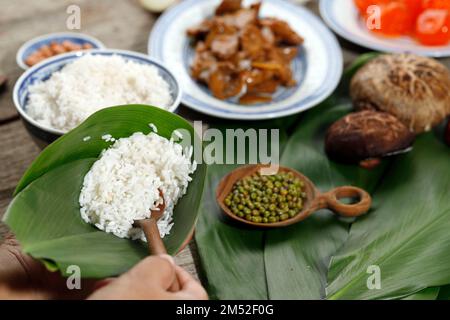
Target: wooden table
[119,24]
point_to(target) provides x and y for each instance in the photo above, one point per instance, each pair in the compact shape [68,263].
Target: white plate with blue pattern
[342,16]
[317,68]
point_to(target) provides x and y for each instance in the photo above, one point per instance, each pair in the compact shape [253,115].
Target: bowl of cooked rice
[58,94]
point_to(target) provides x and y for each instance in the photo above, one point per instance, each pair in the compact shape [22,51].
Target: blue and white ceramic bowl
[317,68]
[34,44]
[42,71]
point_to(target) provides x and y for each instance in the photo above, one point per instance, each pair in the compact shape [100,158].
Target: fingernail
[168,258]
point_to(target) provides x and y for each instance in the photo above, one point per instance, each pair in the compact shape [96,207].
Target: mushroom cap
[415,89]
[366,134]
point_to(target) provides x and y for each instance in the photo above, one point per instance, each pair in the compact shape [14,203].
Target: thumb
[149,279]
[154,271]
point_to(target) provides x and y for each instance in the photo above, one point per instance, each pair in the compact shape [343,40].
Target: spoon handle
[154,241]
[155,244]
[331,201]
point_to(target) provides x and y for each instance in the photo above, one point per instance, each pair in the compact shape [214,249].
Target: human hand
[22,277]
[151,279]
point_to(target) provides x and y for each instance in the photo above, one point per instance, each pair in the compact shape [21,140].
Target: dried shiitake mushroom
[364,135]
[415,89]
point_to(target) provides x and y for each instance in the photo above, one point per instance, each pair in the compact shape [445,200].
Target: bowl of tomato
[417,26]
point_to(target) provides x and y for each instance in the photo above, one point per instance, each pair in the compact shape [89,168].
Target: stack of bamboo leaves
[405,236]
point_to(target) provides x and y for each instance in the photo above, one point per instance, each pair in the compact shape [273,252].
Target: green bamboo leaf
[342,92]
[358,63]
[49,226]
[425,294]
[45,216]
[444,293]
[232,257]
[297,257]
[119,122]
[407,236]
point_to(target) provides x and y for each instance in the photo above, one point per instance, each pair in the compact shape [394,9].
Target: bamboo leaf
[49,226]
[119,122]
[444,293]
[45,216]
[425,294]
[232,257]
[407,235]
[343,90]
[297,257]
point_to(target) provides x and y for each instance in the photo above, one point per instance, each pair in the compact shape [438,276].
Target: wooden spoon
[315,200]
[150,228]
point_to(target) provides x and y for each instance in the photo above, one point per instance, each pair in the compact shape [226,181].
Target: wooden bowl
[314,201]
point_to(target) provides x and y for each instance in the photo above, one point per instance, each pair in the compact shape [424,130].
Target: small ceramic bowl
[34,44]
[42,134]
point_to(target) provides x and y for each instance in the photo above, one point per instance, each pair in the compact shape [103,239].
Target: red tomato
[395,19]
[413,9]
[414,5]
[436,4]
[362,5]
[433,27]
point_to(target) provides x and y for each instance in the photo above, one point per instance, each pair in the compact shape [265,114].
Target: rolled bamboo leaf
[45,215]
[407,235]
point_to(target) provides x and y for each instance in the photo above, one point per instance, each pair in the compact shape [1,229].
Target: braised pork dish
[239,54]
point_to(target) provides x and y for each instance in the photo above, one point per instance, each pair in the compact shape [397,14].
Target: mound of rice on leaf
[123,185]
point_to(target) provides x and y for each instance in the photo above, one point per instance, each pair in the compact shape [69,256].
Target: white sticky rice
[91,83]
[122,186]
